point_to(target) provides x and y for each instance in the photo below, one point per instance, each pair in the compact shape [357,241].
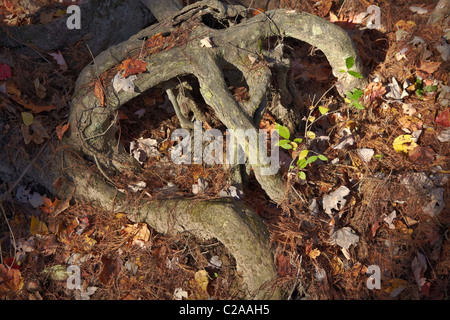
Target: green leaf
[323,110]
[286,146]
[302,175]
[378,156]
[322,157]
[282,131]
[355,74]
[357,93]
[342,71]
[27,118]
[302,163]
[283,142]
[350,96]
[358,105]
[349,62]
[298,140]
[311,159]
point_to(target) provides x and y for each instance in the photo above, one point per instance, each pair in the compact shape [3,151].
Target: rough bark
[92,131]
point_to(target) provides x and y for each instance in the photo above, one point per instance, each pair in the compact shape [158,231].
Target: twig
[103,173]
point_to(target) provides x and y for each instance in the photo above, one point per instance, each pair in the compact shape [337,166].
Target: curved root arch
[93,126]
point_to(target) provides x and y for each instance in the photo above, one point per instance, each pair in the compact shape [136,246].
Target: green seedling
[302,159]
[353,96]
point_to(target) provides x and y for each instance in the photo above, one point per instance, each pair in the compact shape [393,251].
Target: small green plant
[422,89]
[302,159]
[352,97]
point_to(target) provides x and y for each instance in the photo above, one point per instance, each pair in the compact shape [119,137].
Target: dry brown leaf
[429,66]
[10,280]
[60,129]
[99,93]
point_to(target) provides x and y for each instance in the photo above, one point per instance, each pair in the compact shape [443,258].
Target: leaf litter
[379,213]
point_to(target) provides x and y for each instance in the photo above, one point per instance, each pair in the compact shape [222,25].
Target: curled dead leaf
[99,93]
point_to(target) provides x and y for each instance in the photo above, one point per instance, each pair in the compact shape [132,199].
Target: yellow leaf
[27,118]
[201,277]
[121,215]
[314,253]
[303,154]
[38,227]
[310,134]
[87,243]
[394,284]
[404,143]
[199,285]
[337,265]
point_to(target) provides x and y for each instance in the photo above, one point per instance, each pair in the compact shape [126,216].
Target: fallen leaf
[408,110]
[27,118]
[60,129]
[429,66]
[111,268]
[125,84]
[324,8]
[11,280]
[390,218]
[5,71]
[419,266]
[396,286]
[99,93]
[37,227]
[337,266]
[59,60]
[206,42]
[422,156]
[86,294]
[404,143]
[344,238]
[313,254]
[49,206]
[444,118]
[408,26]
[200,187]
[257,11]
[215,262]
[137,186]
[133,66]
[199,285]
[335,200]
[139,232]
[143,149]
[418,10]
[365,154]
[180,294]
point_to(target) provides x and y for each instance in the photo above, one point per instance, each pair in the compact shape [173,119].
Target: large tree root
[231,222]
[93,129]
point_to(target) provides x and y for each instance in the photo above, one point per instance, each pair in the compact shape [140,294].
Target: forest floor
[379,205]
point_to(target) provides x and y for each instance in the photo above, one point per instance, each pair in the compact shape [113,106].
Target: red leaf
[444,118]
[133,66]
[60,129]
[5,71]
